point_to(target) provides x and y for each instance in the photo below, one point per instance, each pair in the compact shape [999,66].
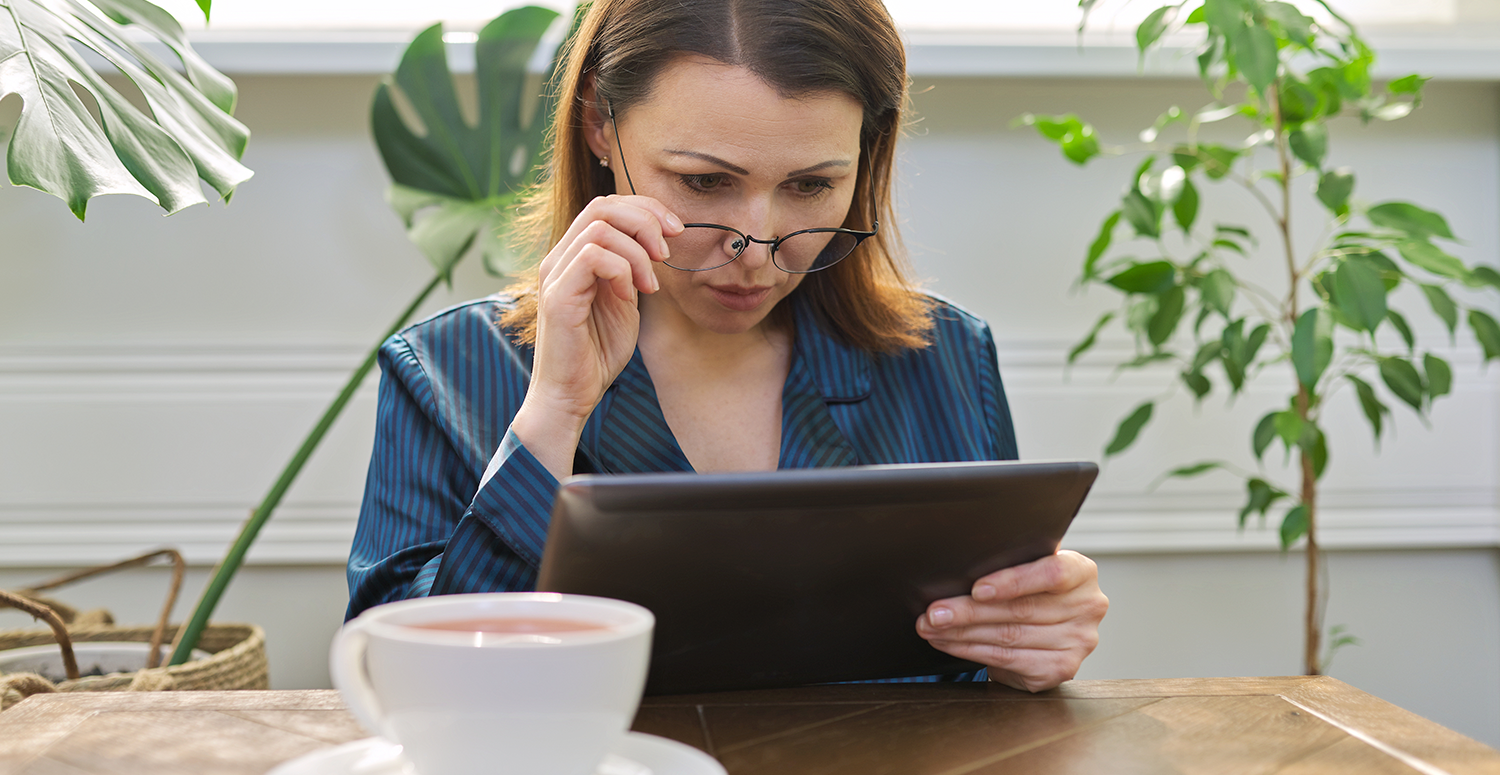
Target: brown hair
[796,47]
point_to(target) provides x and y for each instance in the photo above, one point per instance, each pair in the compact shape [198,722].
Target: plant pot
[94,659]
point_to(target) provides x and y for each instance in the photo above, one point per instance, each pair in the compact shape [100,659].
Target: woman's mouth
[739,297]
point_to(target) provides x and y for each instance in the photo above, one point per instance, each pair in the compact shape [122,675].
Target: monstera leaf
[455,182]
[59,147]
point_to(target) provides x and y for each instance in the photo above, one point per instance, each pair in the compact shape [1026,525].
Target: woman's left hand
[1031,624]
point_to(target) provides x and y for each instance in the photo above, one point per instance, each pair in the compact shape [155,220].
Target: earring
[604,162]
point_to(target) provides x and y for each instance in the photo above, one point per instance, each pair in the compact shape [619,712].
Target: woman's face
[715,144]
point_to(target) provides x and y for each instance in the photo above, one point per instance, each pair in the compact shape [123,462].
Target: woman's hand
[587,319]
[1031,625]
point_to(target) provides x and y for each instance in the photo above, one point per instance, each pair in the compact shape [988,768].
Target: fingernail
[940,617]
[655,283]
[666,251]
[674,221]
[984,592]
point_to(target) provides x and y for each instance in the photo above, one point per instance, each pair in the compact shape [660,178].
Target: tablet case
[795,577]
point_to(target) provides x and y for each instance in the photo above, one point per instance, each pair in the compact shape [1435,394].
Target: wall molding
[285,381]
[320,534]
[1457,52]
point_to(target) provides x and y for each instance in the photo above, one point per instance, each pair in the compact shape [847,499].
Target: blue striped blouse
[454,503]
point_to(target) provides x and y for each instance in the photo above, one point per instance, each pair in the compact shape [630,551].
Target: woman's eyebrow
[816,167]
[736,169]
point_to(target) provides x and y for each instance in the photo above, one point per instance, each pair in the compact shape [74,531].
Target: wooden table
[1218,725]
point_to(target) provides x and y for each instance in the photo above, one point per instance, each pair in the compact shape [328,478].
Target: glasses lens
[704,247]
[814,250]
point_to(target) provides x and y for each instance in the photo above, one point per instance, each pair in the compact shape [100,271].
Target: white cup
[461,701]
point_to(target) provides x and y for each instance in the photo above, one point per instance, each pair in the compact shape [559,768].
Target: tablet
[787,578]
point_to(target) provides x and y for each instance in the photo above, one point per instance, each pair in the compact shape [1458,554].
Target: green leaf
[1088,341]
[449,227]
[1129,428]
[1197,469]
[57,145]
[1289,427]
[1218,289]
[1487,332]
[1238,231]
[1265,433]
[1076,139]
[1298,101]
[1253,52]
[1141,361]
[1142,213]
[1486,276]
[1196,382]
[1168,314]
[1100,244]
[1390,273]
[1312,346]
[1439,376]
[1260,496]
[1334,189]
[1298,28]
[1398,322]
[1185,209]
[1409,219]
[1403,380]
[1217,160]
[1310,143]
[1239,350]
[1427,256]
[1315,446]
[1411,84]
[1207,353]
[1198,16]
[1359,294]
[1150,277]
[1231,245]
[454,183]
[1152,28]
[1224,15]
[1442,306]
[1374,410]
[1293,526]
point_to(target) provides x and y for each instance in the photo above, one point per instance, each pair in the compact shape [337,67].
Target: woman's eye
[812,187]
[704,182]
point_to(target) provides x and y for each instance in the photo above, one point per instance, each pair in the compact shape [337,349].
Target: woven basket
[238,659]
[237,651]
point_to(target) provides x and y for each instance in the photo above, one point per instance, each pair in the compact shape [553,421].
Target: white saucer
[635,754]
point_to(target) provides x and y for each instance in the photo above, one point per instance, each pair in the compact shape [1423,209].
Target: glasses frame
[745,239]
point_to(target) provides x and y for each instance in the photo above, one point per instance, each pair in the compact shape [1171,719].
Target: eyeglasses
[701,246]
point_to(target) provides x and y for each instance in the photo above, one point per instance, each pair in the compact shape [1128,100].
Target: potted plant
[1329,332]
[453,186]
[451,198]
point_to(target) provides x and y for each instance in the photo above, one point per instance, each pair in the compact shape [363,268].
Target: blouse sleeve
[426,525]
[996,407]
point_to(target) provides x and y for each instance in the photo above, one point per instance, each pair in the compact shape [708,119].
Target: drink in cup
[499,683]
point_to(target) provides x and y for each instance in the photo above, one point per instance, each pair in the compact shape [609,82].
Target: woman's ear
[595,122]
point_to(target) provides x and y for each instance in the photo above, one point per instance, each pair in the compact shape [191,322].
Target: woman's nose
[760,228]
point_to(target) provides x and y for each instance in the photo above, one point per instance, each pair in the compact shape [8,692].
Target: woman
[723,292]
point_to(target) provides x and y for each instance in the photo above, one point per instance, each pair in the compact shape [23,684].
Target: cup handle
[346,666]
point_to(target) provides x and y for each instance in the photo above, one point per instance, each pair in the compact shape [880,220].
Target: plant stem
[1314,618]
[1312,621]
[235,557]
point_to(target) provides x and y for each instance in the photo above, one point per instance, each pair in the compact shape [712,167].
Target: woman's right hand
[587,318]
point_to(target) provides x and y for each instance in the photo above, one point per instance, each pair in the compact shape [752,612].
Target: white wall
[155,373]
